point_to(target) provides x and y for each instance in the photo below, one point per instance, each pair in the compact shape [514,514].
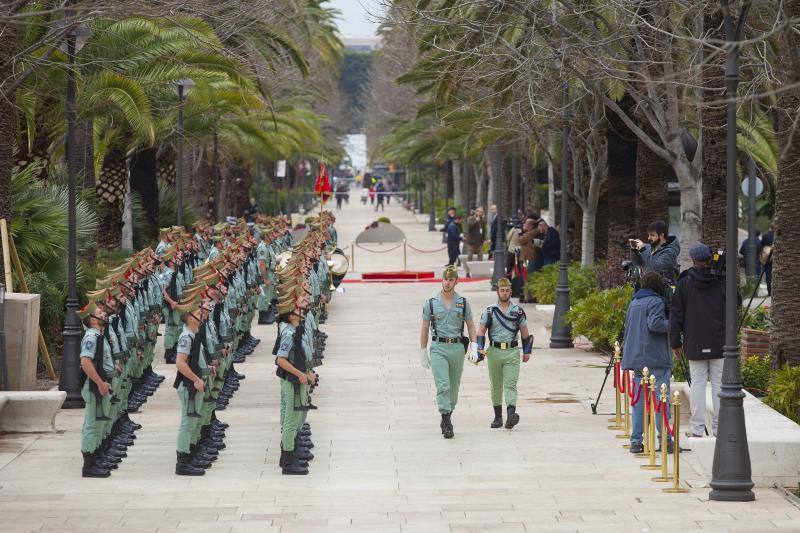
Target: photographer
[646,345]
[476,228]
[550,243]
[530,254]
[660,255]
[697,330]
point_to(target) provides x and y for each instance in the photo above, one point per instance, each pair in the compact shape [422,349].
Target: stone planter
[754,342]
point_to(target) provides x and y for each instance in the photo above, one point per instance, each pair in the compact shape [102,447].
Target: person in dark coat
[661,254]
[768,239]
[646,345]
[743,251]
[697,331]
[452,233]
[550,243]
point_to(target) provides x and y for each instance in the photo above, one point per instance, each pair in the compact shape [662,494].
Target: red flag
[323,186]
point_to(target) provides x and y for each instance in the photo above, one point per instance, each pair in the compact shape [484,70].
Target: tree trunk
[691,209]
[714,138]
[530,186]
[551,184]
[127,220]
[621,197]
[785,337]
[144,184]
[494,167]
[481,185]
[601,225]
[459,198]
[588,235]
[8,116]
[652,195]
[111,197]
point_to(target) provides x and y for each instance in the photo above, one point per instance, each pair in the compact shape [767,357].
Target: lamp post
[182,88]
[432,217]
[752,245]
[561,336]
[731,472]
[69,381]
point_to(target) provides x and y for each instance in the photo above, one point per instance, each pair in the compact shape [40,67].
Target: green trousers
[93,431]
[291,420]
[447,364]
[172,327]
[503,374]
[189,424]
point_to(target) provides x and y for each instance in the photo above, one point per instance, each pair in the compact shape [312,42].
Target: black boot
[262,317]
[498,417]
[512,418]
[272,312]
[170,356]
[91,468]
[290,467]
[184,466]
[447,426]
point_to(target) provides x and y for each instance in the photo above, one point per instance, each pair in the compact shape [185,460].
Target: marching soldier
[502,322]
[445,316]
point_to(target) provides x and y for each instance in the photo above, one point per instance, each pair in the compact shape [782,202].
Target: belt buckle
[504,346]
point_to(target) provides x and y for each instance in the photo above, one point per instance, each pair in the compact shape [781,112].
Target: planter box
[754,342]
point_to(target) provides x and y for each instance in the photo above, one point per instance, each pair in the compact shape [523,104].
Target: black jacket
[697,314]
[551,245]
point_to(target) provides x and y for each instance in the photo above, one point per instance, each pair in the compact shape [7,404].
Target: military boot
[498,417]
[184,466]
[262,317]
[91,468]
[290,466]
[512,418]
[447,426]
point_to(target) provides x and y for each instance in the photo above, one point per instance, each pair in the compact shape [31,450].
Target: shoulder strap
[463,314]
[433,320]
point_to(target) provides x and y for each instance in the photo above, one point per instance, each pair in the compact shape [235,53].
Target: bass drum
[339,265]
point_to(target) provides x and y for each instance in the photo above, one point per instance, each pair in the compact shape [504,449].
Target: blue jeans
[662,376]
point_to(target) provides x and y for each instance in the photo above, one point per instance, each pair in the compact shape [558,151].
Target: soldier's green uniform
[447,351]
[93,346]
[171,280]
[191,402]
[503,351]
[293,395]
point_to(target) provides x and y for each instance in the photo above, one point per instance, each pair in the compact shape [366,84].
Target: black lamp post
[731,473]
[561,336]
[69,381]
[182,88]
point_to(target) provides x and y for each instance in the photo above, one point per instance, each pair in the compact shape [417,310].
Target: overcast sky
[357,17]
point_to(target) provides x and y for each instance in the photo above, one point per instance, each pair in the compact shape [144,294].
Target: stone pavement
[381,464]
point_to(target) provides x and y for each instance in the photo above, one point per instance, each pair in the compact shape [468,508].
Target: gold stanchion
[617,425]
[676,442]
[645,385]
[405,255]
[626,402]
[652,465]
[664,477]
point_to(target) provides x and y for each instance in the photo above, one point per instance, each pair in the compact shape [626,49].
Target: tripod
[609,366]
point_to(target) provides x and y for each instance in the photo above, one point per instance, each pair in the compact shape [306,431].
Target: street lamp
[182,88]
[69,380]
[731,478]
[561,336]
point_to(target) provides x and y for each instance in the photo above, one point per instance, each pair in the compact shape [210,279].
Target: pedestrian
[530,251]
[452,233]
[744,250]
[765,257]
[550,243]
[371,195]
[661,252]
[252,210]
[494,220]
[502,322]
[444,316]
[646,345]
[380,192]
[476,234]
[697,331]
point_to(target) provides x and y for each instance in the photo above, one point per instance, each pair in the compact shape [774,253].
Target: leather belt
[504,345]
[447,340]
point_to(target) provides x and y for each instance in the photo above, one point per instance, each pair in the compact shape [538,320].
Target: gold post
[664,477]
[676,488]
[617,359]
[652,465]
[626,402]
[405,255]
[645,384]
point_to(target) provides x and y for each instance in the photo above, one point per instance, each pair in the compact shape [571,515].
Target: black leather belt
[447,340]
[504,345]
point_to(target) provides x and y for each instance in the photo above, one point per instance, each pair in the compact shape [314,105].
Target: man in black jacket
[697,330]
[550,243]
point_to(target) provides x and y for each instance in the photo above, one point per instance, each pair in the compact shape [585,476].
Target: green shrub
[51,309]
[783,394]
[309,220]
[385,220]
[600,316]
[542,284]
[756,373]
[758,318]
[680,369]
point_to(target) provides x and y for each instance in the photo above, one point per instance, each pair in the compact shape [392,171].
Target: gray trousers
[702,372]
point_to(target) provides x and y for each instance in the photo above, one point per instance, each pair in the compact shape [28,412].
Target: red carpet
[400,275]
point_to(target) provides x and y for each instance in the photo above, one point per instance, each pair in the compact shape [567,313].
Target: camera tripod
[609,366]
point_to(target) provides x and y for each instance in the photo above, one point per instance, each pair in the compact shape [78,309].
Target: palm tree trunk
[9,45]
[144,184]
[785,337]
[713,122]
[621,197]
[111,188]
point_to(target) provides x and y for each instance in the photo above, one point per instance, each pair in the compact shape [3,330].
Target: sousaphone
[339,265]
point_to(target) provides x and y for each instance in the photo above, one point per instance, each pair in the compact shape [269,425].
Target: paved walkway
[381,463]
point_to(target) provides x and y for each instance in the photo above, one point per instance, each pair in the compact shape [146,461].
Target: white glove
[424,358]
[472,353]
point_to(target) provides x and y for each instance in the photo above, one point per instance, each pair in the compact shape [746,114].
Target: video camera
[513,223]
[717,265]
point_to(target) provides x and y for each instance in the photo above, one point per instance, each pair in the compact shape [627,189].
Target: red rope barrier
[638,394]
[427,251]
[665,421]
[378,251]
